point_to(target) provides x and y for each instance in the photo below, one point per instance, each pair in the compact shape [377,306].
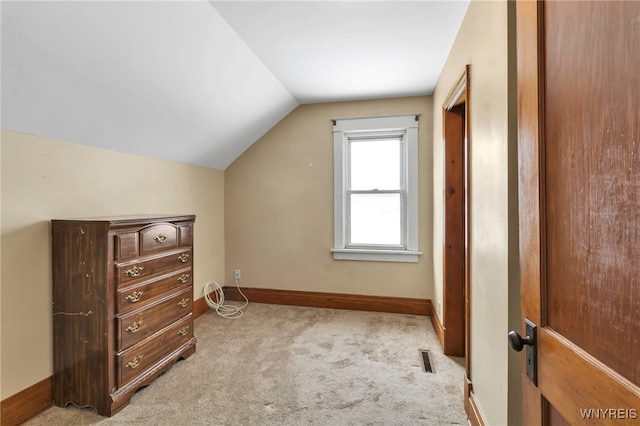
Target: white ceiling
[199,82]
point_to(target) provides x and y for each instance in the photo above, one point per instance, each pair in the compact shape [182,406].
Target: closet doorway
[456,294]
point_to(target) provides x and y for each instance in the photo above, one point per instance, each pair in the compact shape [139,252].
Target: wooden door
[579,161]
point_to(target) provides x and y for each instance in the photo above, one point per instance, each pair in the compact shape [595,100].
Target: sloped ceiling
[199,82]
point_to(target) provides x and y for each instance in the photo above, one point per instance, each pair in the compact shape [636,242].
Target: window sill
[376,255]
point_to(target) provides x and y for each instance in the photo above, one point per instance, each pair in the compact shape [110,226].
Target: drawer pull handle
[183,257]
[184,330]
[183,278]
[135,296]
[134,327]
[184,302]
[134,362]
[160,238]
[135,271]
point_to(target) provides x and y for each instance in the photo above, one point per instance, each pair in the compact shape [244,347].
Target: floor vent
[425,356]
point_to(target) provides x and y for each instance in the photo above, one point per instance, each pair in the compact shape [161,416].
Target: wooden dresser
[122,306]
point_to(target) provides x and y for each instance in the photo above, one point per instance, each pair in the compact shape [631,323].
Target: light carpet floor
[289,365]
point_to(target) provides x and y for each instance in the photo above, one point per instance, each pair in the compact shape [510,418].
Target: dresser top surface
[132,219]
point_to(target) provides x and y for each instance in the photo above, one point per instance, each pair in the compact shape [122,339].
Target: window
[376,188]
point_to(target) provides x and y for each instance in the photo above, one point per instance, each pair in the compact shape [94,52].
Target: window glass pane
[375,219]
[375,164]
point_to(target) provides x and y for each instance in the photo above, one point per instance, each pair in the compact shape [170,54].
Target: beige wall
[279,208]
[482,43]
[44,179]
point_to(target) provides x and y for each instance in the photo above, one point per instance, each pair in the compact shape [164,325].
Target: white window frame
[346,129]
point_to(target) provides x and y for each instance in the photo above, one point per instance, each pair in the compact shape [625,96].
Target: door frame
[456,311]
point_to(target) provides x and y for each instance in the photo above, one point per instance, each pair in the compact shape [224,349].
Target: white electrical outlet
[236,274]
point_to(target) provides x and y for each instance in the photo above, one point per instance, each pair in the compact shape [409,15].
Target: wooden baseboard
[437,326]
[449,343]
[468,387]
[355,302]
[475,415]
[200,307]
[27,403]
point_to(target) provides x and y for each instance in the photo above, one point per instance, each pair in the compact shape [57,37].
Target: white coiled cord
[217,304]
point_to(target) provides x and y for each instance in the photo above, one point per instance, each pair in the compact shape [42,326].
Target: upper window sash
[363,137]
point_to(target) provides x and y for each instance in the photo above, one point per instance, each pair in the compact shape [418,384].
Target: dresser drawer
[131,271]
[131,298]
[127,245]
[135,360]
[185,234]
[140,324]
[158,238]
